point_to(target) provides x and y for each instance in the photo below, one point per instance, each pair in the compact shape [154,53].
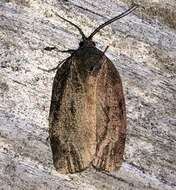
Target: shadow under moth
[87,119]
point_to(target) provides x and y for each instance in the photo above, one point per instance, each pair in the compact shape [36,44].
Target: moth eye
[94,43]
[81,44]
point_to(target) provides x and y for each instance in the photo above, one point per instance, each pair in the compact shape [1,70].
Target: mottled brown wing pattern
[87,114]
[60,149]
[73,117]
[110,119]
[59,84]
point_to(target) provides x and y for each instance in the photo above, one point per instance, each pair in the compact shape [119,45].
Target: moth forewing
[110,119]
[73,126]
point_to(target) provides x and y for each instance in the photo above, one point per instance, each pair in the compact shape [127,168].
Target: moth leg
[106,49]
[48,139]
[53,69]
[56,49]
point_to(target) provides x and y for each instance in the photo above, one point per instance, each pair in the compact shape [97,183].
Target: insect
[87,119]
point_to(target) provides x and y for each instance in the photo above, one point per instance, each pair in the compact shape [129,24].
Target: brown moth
[87,120]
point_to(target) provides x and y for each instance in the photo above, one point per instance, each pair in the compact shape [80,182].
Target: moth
[87,119]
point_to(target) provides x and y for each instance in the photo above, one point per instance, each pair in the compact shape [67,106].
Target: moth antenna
[80,31]
[132,8]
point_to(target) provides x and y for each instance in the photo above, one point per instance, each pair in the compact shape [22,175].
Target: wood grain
[143,51]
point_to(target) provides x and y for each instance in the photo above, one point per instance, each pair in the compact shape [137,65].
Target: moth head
[87,41]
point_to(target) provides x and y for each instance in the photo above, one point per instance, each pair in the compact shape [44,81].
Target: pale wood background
[142,47]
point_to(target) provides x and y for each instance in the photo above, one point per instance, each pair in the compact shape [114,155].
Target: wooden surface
[143,49]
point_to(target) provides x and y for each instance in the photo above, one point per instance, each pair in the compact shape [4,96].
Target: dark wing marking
[59,84]
[59,149]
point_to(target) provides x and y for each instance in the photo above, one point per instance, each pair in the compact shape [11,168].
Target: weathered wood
[142,47]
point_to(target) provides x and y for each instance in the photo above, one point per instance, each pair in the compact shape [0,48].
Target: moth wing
[59,84]
[59,148]
[110,119]
[72,129]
